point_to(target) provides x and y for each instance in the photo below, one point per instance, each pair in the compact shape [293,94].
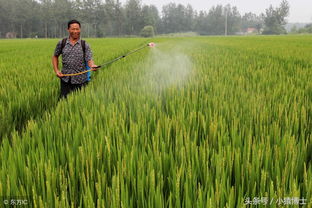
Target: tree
[189,18]
[113,21]
[134,21]
[62,11]
[150,16]
[216,20]
[5,17]
[147,31]
[274,19]
[201,23]
[169,18]
[177,18]
[46,15]
[233,20]
[251,20]
[119,18]
[307,29]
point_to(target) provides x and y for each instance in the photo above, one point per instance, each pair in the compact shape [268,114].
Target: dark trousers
[67,88]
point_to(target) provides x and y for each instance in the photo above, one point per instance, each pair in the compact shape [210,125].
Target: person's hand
[59,74]
[94,67]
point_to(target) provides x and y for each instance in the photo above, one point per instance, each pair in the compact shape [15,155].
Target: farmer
[76,53]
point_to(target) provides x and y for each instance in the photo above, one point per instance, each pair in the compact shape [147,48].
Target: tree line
[48,18]
[306,29]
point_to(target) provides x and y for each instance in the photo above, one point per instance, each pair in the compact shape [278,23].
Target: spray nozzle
[151,44]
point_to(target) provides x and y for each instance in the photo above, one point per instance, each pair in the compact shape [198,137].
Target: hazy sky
[300,10]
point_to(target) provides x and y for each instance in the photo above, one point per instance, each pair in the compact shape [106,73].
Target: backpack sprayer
[112,61]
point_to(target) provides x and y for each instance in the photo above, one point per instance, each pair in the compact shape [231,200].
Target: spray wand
[112,61]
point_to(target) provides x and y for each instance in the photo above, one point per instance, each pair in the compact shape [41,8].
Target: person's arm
[55,64]
[89,58]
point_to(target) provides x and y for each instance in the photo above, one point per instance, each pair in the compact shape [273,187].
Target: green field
[194,122]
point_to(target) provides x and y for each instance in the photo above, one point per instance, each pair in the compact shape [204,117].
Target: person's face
[74,31]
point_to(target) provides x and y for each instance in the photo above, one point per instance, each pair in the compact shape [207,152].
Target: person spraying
[76,59]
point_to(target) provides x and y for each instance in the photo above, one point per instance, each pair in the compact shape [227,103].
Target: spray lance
[151,45]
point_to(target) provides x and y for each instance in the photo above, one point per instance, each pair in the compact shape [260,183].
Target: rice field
[194,122]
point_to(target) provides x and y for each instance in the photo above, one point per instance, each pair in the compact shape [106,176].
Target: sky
[300,10]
